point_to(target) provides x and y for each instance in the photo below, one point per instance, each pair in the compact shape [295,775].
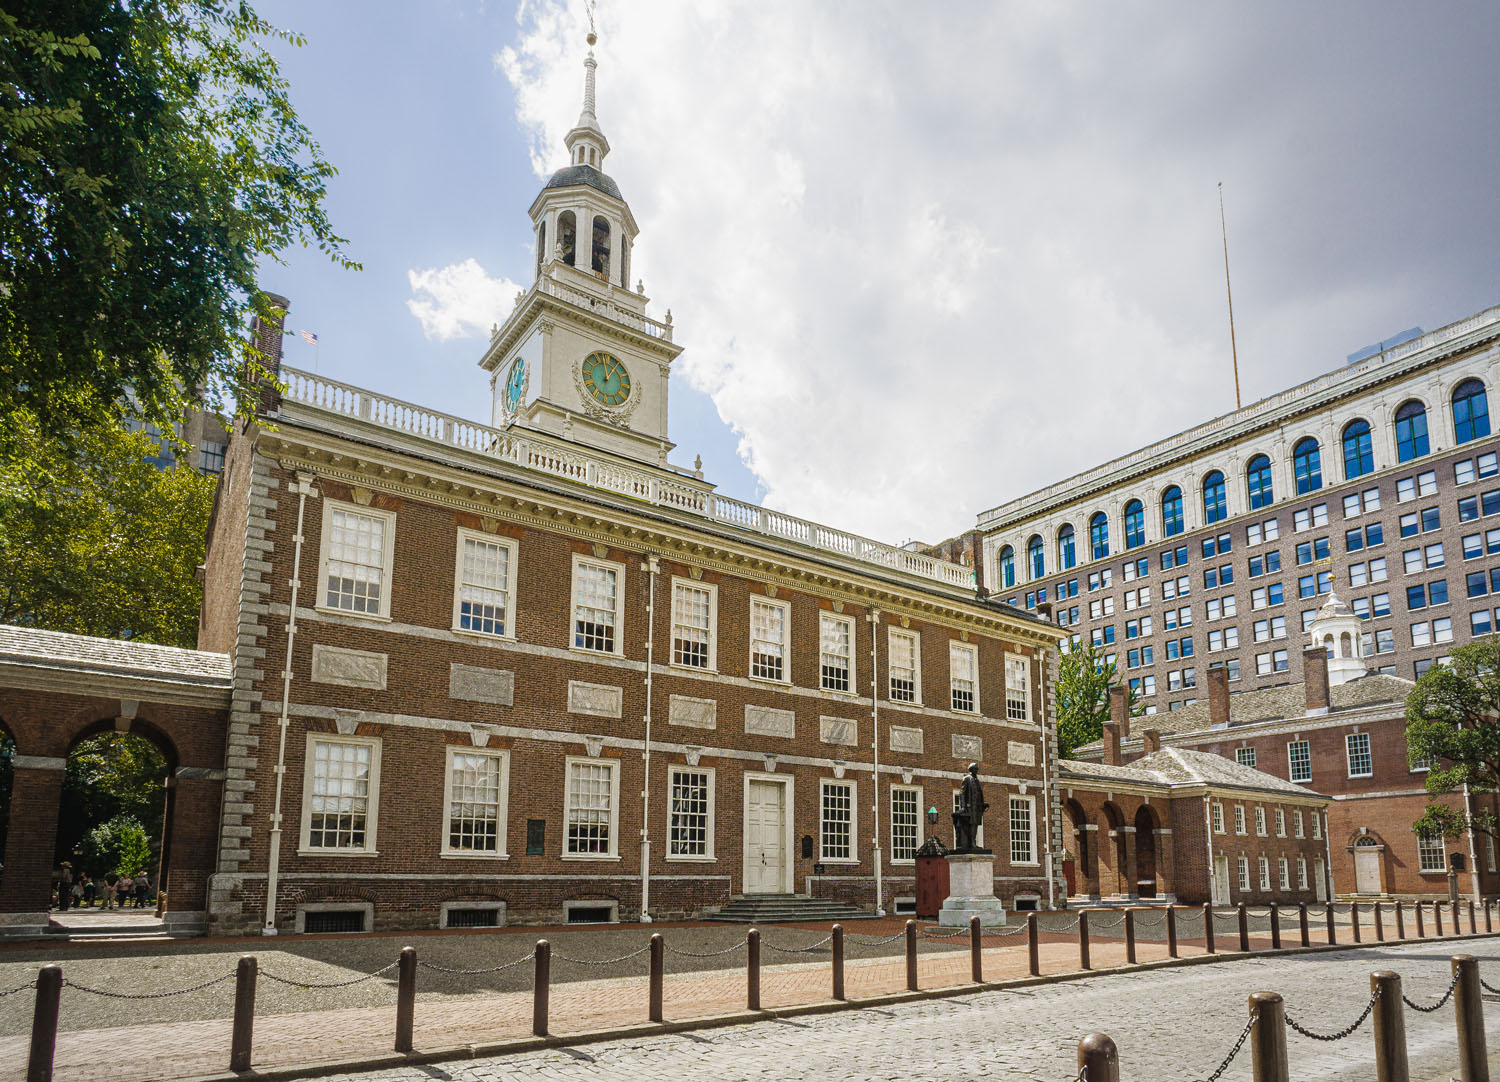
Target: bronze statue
[969,816]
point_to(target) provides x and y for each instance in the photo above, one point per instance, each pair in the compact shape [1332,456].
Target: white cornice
[63,679]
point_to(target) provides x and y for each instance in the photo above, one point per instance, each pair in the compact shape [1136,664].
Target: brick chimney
[1218,696]
[1044,610]
[1111,743]
[266,335]
[1315,679]
[1118,725]
[1151,738]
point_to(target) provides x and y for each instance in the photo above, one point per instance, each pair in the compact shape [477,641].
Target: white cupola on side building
[1338,630]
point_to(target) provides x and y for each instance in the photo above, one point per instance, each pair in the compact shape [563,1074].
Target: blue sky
[919,266]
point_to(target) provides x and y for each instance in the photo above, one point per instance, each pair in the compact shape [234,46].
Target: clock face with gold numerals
[605,379]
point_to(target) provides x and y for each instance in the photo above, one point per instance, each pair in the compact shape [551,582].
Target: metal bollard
[1488,927]
[911,955]
[838,961]
[1268,1061]
[1379,926]
[1033,946]
[1468,1012]
[1390,1028]
[1171,931]
[1098,1059]
[1333,936]
[1275,927]
[1421,932]
[1208,927]
[1437,918]
[1354,919]
[1083,939]
[1130,937]
[541,985]
[752,969]
[976,958]
[658,975]
[406,997]
[44,1024]
[1244,928]
[1473,929]
[1400,923]
[1302,923]
[244,1013]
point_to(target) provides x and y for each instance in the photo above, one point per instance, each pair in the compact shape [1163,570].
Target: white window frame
[972,650]
[1260,821]
[1426,844]
[786,639]
[613,853]
[372,800]
[1245,756]
[1218,817]
[1284,870]
[1021,664]
[712,826]
[921,812]
[580,560]
[678,582]
[1029,803]
[1279,817]
[1264,867]
[1301,871]
[1291,762]
[824,784]
[1244,870]
[1349,740]
[387,559]
[509,589]
[1317,825]
[1239,821]
[502,822]
[1299,827]
[892,633]
[848,622]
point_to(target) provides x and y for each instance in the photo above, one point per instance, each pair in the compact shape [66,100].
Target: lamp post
[932,814]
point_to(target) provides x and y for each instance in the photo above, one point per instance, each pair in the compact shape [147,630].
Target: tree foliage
[1083,682]
[94,539]
[120,846]
[149,158]
[1453,721]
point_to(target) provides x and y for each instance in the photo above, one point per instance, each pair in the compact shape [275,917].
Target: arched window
[1411,431]
[1099,536]
[1215,499]
[1035,559]
[600,262]
[541,244]
[1258,478]
[1471,411]
[1067,555]
[1171,512]
[567,236]
[1135,524]
[1307,466]
[1007,567]
[1359,458]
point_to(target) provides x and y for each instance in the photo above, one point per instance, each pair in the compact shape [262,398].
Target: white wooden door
[1320,881]
[765,838]
[1366,869]
[1221,880]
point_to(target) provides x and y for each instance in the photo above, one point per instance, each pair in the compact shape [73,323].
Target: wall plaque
[600,700]
[768,721]
[693,713]
[837,731]
[350,668]
[481,685]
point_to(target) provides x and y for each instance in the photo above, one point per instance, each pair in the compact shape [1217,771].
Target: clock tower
[579,358]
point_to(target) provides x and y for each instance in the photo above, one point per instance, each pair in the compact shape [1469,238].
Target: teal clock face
[515,385]
[605,379]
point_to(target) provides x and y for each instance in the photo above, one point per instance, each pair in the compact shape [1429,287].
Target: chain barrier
[1428,1010]
[18,988]
[811,948]
[1017,930]
[1101,926]
[875,941]
[928,933]
[475,972]
[310,985]
[146,995]
[1238,1044]
[1160,921]
[602,961]
[1488,988]
[1341,1034]
[704,954]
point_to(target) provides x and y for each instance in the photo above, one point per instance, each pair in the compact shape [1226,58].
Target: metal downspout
[652,567]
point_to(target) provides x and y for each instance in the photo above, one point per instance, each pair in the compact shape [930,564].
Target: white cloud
[923,265]
[459,301]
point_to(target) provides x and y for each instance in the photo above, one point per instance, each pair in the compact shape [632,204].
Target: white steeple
[1338,630]
[586,142]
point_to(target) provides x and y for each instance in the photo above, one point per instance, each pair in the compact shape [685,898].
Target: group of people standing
[110,890]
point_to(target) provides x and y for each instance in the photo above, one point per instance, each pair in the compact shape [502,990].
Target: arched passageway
[1146,875]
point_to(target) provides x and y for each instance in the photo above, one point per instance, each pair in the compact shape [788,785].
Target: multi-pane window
[1280,823]
[1017,688]
[837,820]
[963,660]
[693,624]
[1260,532]
[1299,760]
[1317,825]
[1022,830]
[1308,517]
[1244,756]
[905,666]
[1297,826]
[1226,639]
[1244,870]
[1286,875]
[1357,750]
[591,808]
[768,620]
[1239,819]
[1263,597]
[1411,431]
[1430,855]
[340,787]
[835,652]
[690,821]
[1315,549]
[1258,480]
[1218,818]
[1471,411]
[356,550]
[906,820]
[1265,873]
[1301,873]
[485,585]
[596,605]
[476,802]
[211,457]
[1275,661]
[1423,484]
[1260,821]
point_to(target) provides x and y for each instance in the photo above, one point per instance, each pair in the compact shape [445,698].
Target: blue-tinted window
[1007,567]
[1067,555]
[1035,558]
[1135,524]
[1471,411]
[1411,431]
[1171,512]
[1258,477]
[1215,500]
[1359,456]
[1099,536]
[1307,466]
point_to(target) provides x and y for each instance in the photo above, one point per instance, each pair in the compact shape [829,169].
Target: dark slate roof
[570,175]
[36,648]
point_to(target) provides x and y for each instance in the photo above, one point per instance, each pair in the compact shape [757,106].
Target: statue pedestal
[971,891]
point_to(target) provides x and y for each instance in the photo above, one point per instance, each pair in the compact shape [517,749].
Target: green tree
[94,539]
[1453,722]
[119,845]
[1083,682]
[111,776]
[150,158]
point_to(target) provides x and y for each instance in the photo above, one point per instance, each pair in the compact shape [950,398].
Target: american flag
[310,338]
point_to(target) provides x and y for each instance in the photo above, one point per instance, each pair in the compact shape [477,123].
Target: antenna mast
[1229,294]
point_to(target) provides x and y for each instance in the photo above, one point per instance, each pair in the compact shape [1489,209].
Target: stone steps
[786,908]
